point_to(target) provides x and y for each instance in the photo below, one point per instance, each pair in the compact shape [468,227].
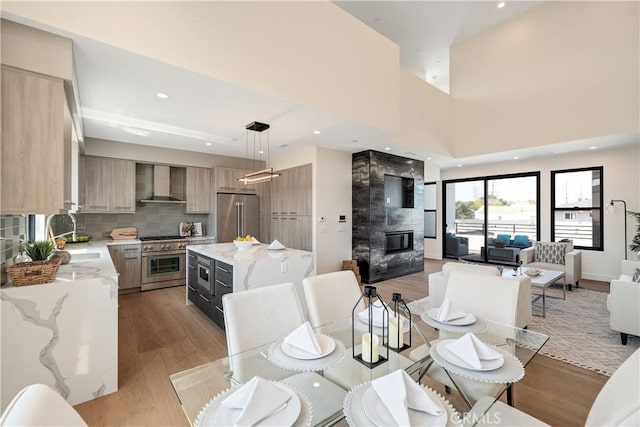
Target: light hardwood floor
[159,336]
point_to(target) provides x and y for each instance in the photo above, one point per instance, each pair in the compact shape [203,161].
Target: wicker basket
[34,273]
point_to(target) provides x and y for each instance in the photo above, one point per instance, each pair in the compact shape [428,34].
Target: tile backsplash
[13,229]
[150,219]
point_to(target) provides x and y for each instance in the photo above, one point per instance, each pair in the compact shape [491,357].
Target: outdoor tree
[635,241]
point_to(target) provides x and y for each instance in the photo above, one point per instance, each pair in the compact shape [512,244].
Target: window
[477,210]
[430,225]
[576,207]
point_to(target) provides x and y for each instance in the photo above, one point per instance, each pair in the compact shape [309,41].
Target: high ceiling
[117,89]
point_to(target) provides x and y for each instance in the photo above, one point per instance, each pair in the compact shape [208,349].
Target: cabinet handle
[219,309]
[223,284]
[283,213]
[132,249]
[292,218]
[221,269]
[202,296]
[192,288]
[293,213]
[123,207]
[227,188]
[97,207]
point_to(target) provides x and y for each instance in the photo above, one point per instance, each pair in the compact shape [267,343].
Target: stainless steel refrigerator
[238,215]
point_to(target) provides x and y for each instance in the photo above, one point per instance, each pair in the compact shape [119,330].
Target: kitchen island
[220,268]
[64,333]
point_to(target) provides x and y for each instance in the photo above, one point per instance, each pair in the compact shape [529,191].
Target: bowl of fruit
[243,243]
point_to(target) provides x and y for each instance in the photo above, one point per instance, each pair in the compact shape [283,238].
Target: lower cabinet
[209,301]
[128,263]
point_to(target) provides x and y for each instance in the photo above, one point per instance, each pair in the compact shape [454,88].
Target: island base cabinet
[209,302]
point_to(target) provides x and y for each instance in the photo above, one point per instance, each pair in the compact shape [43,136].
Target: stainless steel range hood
[161,186]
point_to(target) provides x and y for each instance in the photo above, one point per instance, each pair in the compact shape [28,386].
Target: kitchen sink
[84,256]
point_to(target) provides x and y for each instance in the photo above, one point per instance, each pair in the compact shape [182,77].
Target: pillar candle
[369,354]
[395,325]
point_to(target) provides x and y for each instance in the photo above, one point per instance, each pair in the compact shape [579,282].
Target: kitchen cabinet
[108,185]
[36,144]
[128,263]
[227,181]
[291,198]
[198,189]
[263,191]
[209,301]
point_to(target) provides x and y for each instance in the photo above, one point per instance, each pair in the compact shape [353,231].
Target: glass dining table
[326,385]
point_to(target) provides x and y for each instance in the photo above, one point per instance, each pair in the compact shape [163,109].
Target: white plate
[487,365]
[533,272]
[287,417]
[469,319]
[276,249]
[377,412]
[327,345]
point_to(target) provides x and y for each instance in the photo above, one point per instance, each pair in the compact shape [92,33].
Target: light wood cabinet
[36,143]
[128,262]
[198,189]
[227,181]
[108,185]
[291,198]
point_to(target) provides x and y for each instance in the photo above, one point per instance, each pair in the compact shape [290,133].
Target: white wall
[621,181]
[310,52]
[564,71]
[332,179]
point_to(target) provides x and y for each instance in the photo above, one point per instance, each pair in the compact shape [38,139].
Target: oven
[163,264]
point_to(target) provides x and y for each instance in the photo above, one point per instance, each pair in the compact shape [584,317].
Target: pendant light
[255,129]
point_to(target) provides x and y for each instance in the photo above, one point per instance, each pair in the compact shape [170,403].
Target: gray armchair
[456,246]
[570,263]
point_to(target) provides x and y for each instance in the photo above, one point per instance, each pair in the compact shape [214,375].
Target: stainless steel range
[163,261]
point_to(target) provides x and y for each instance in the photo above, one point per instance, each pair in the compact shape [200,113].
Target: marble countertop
[227,252]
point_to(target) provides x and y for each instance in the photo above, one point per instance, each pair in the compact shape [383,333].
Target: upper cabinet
[291,191]
[227,181]
[198,190]
[36,144]
[108,185]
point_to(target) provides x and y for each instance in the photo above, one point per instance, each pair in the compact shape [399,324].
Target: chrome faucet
[73,220]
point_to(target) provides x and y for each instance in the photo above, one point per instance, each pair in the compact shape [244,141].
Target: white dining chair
[259,316]
[40,405]
[491,298]
[617,403]
[331,296]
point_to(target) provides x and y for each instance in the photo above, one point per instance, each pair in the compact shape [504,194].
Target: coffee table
[543,280]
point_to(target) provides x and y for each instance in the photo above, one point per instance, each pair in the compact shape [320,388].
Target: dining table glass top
[326,381]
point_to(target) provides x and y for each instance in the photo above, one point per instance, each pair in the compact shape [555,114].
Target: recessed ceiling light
[316,132]
[459,165]
[428,158]
[260,152]
[387,148]
[162,95]
[209,144]
[593,148]
[501,5]
[516,158]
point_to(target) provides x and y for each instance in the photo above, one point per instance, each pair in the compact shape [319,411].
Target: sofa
[456,246]
[438,286]
[557,256]
[623,302]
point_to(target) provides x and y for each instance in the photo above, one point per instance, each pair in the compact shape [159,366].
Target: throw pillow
[504,237]
[520,240]
[636,275]
[550,252]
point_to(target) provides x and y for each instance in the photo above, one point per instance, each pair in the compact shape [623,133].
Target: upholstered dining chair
[617,404]
[487,297]
[259,316]
[331,296]
[40,405]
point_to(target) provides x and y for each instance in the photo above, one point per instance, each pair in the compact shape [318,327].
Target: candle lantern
[396,336]
[370,354]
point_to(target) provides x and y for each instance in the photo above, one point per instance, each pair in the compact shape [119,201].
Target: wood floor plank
[159,335]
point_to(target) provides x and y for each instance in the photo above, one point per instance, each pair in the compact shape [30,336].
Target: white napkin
[377,315]
[448,311]
[257,399]
[255,241]
[399,392]
[305,339]
[470,349]
[275,245]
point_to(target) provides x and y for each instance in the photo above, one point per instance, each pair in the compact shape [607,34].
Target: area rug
[579,331]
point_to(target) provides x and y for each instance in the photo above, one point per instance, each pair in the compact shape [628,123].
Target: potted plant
[635,241]
[38,271]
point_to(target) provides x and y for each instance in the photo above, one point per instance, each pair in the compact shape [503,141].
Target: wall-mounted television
[398,192]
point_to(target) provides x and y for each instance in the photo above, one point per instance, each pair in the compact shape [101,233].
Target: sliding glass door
[479,211]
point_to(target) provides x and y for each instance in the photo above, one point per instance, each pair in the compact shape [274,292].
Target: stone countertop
[227,252]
